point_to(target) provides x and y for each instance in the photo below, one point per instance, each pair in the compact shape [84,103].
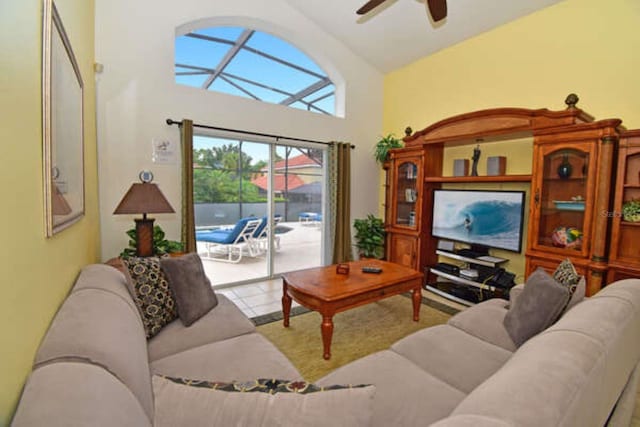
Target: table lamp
[143,198]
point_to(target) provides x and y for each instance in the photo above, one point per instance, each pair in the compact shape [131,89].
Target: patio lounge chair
[262,234]
[309,218]
[232,242]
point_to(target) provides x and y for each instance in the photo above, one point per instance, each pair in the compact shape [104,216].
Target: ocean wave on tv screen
[491,222]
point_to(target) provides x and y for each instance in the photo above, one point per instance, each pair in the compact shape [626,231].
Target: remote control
[374,270]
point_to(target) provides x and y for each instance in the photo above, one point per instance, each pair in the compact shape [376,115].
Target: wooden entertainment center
[581,173]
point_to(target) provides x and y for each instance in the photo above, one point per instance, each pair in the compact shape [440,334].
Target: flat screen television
[489,218]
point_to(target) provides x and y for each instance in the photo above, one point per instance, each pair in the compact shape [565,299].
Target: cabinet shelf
[558,179]
[492,178]
[632,186]
[630,224]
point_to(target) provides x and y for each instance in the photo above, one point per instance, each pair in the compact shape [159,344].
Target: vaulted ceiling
[399,32]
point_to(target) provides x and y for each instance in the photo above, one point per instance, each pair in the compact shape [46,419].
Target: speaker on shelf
[460,167]
[445,245]
[496,165]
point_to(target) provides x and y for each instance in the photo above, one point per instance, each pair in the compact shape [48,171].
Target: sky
[207,54]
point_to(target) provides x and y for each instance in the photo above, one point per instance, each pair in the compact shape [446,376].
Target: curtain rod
[246,132]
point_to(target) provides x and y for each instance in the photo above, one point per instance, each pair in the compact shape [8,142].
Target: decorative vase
[565,168]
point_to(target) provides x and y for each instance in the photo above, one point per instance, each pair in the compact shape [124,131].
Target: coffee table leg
[286,304]
[327,333]
[417,301]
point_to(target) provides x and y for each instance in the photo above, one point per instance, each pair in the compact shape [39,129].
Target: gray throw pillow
[191,288]
[538,307]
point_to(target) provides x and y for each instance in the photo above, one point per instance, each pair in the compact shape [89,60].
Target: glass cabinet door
[406,194]
[562,200]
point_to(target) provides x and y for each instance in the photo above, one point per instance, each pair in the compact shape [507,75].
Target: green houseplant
[631,210]
[370,236]
[161,246]
[384,145]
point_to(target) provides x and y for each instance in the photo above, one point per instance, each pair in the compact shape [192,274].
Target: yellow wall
[584,46]
[36,272]
[588,47]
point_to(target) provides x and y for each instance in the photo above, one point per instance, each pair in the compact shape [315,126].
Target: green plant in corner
[370,236]
[161,246]
[384,145]
[631,210]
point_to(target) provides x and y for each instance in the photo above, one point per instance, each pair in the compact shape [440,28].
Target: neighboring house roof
[301,161]
[311,188]
[293,181]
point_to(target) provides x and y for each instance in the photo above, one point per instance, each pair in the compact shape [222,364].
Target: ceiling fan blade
[370,5]
[437,9]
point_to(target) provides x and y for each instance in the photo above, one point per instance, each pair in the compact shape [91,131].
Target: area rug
[357,333]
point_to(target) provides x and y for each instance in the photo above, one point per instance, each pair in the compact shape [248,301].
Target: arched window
[252,64]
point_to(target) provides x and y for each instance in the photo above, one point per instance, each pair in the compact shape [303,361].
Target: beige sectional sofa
[95,367]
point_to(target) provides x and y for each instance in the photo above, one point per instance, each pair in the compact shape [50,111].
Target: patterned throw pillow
[261,385]
[566,274]
[260,403]
[151,293]
[568,277]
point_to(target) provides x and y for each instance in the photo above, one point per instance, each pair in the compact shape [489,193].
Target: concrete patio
[301,247]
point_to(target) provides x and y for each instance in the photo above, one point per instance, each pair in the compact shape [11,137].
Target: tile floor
[257,298]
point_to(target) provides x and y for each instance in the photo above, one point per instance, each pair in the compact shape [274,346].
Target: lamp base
[144,235]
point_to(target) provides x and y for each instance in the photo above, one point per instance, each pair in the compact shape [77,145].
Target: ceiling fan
[437,8]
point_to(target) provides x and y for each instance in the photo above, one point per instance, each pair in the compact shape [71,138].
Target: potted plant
[161,246]
[370,237]
[384,145]
[631,210]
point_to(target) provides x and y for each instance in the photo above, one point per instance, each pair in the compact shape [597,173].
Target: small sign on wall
[164,152]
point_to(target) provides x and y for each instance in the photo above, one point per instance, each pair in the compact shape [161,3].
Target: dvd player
[445,267]
[469,273]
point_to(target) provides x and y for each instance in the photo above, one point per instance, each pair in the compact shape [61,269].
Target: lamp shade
[59,205]
[143,198]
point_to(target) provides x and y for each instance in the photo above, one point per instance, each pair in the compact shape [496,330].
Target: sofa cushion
[572,373]
[189,403]
[405,395]
[151,293]
[245,356]
[98,327]
[537,307]
[549,381]
[450,354]
[77,394]
[226,321]
[471,421]
[191,288]
[486,321]
[104,277]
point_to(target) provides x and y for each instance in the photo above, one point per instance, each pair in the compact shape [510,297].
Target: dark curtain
[340,200]
[188,215]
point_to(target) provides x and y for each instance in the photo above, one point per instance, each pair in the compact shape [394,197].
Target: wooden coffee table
[321,289]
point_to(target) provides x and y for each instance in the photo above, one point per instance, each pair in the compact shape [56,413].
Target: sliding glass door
[258,208]
[299,186]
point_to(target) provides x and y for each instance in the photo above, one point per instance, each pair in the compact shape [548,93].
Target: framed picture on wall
[62,126]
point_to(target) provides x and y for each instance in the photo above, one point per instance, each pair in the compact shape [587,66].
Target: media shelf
[453,286]
[487,261]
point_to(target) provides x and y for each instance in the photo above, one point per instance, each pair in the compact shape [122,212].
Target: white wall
[136,93]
